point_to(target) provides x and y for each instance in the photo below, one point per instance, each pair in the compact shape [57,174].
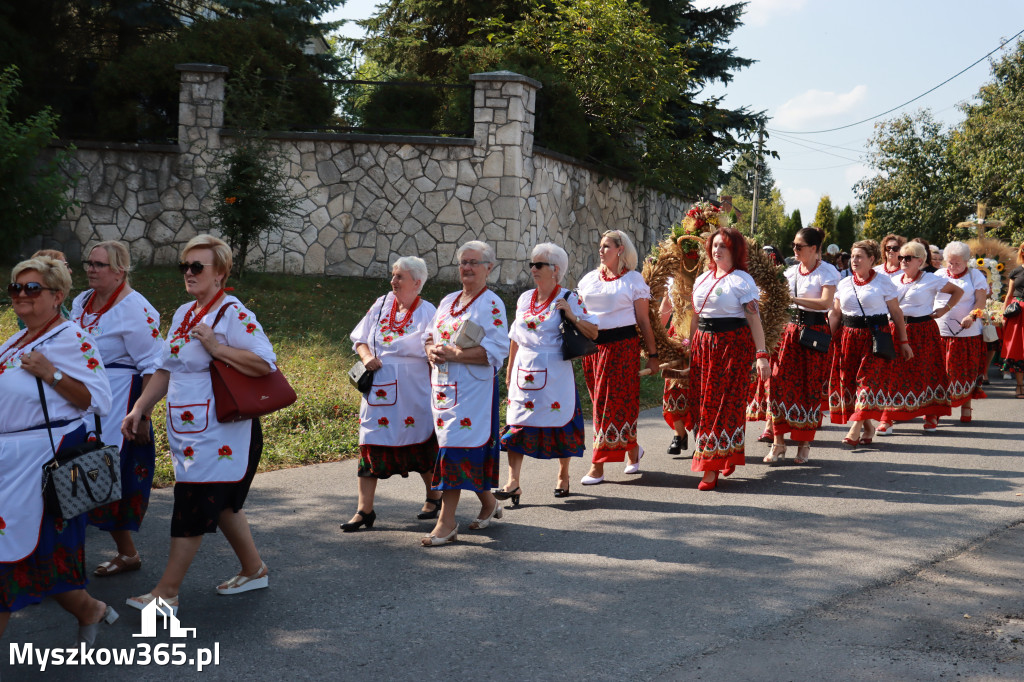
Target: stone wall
[369,199]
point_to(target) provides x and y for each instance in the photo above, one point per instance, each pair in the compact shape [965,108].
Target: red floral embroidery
[528,378]
[495,311]
[3,524]
[250,328]
[388,338]
[440,423]
[409,421]
[555,406]
[381,393]
[497,323]
[85,347]
[188,418]
[93,363]
[528,404]
[531,325]
[465,423]
[59,525]
[174,350]
[188,452]
[141,472]
[241,316]
[383,422]
[445,335]
[223,452]
[156,333]
[150,320]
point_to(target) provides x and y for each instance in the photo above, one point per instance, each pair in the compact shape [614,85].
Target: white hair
[483,247]
[555,255]
[416,267]
[957,249]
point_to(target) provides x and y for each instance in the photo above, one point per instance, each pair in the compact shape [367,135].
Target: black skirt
[197,506]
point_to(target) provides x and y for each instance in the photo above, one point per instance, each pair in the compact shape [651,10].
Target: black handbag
[1012,310]
[79,479]
[574,343]
[360,377]
[811,338]
[881,340]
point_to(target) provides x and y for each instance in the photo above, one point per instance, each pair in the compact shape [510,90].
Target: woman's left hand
[763,368]
[967,322]
[38,365]
[203,333]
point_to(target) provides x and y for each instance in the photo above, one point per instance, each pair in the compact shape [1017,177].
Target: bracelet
[652,355]
[761,355]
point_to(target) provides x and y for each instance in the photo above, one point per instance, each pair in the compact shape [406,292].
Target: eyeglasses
[538,265]
[30,289]
[94,265]
[799,247]
[892,249]
[906,259]
[473,263]
[195,267]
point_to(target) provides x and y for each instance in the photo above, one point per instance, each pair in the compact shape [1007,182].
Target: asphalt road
[902,560]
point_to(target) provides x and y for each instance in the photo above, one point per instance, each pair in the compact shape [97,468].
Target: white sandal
[435,540]
[245,583]
[776,453]
[480,524]
[143,601]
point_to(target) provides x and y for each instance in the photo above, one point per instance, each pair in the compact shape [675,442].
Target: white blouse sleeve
[638,287]
[142,340]
[367,327]
[746,289]
[495,342]
[242,330]
[580,310]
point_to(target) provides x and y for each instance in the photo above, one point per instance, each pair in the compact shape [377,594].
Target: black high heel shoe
[364,520]
[432,514]
[503,495]
[562,492]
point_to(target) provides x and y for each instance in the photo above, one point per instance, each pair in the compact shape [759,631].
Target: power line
[787,138]
[850,125]
[800,170]
[822,151]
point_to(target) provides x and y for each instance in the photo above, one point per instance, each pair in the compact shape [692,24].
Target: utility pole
[758,167]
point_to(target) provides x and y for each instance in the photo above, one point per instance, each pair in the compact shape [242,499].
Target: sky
[828,63]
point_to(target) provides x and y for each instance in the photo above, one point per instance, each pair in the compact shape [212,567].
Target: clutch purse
[881,344]
[1012,310]
[814,339]
[470,335]
[360,378]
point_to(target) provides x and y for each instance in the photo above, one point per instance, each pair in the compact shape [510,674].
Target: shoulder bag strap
[46,414]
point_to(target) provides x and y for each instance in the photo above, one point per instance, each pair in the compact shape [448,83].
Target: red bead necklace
[801,270]
[861,282]
[14,349]
[453,312]
[890,272]
[606,278]
[191,320]
[87,308]
[400,325]
[903,279]
[964,272]
[534,309]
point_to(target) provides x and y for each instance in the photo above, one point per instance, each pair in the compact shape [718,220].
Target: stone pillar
[200,106]
[504,106]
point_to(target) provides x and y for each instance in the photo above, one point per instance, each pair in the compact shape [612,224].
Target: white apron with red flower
[462,405]
[128,338]
[542,389]
[205,450]
[397,410]
[23,453]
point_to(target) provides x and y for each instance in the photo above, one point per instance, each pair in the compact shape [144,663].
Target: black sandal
[433,513]
[506,494]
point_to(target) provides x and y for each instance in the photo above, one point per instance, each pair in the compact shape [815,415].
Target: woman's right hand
[130,424]
[373,364]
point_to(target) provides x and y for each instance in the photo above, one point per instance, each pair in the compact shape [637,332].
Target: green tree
[772,225]
[740,181]
[35,187]
[988,147]
[845,234]
[918,188]
[825,218]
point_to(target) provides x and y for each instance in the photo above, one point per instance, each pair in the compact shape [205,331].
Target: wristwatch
[57,376]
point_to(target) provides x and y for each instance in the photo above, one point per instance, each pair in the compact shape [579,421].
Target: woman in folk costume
[466,343]
[918,388]
[727,337]
[396,433]
[961,332]
[618,296]
[800,374]
[890,255]
[42,554]
[863,303]
[544,420]
[214,462]
[127,331]
[1013,327]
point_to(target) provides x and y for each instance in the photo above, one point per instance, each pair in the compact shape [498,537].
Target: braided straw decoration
[775,299]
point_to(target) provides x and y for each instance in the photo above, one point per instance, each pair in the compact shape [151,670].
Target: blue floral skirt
[547,442]
[473,469]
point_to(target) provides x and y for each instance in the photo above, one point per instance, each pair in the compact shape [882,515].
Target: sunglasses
[892,249]
[906,259]
[94,265]
[538,265]
[799,247]
[195,267]
[30,289]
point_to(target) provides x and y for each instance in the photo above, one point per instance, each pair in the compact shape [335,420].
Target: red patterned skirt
[965,364]
[918,388]
[798,385]
[855,378]
[719,385]
[382,461]
[613,381]
[1013,343]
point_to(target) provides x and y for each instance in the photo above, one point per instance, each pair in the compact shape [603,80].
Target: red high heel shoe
[966,418]
[729,470]
[704,485]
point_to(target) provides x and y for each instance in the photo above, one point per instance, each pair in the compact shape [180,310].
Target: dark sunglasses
[195,267]
[799,247]
[31,289]
[892,249]
[538,265]
[94,265]
[906,259]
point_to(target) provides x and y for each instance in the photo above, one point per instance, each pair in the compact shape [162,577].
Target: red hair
[736,244]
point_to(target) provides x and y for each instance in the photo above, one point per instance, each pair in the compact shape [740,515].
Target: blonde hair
[629,258]
[222,259]
[870,248]
[54,272]
[915,249]
[119,256]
